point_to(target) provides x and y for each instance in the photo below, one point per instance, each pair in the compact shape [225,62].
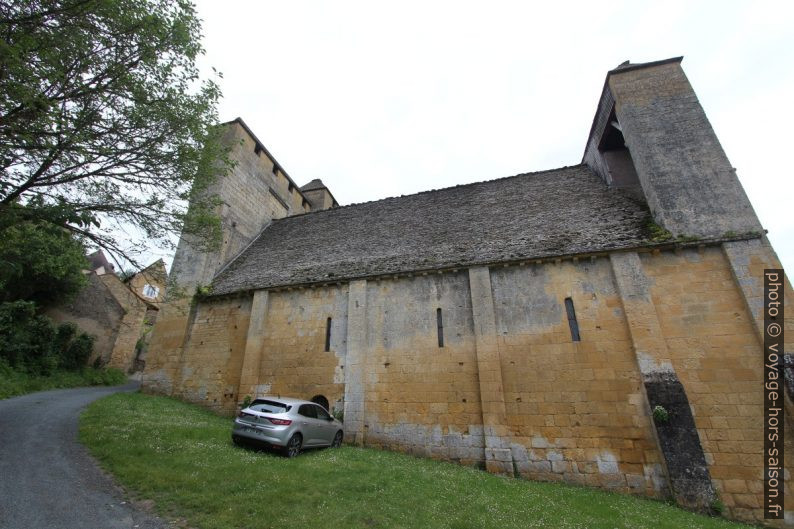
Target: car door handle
[304,423]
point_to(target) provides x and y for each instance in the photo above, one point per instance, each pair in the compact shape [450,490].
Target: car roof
[286,400]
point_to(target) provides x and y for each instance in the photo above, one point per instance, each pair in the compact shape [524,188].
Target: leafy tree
[26,337]
[39,262]
[105,125]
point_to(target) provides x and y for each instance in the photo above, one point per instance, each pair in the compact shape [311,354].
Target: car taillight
[280,422]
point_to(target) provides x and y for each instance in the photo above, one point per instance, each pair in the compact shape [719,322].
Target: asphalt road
[47,478]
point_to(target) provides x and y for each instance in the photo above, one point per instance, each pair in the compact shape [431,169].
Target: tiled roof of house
[550,213]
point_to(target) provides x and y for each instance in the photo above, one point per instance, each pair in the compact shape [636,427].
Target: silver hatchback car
[287,424]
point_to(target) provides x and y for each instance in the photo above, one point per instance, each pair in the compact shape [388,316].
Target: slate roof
[550,213]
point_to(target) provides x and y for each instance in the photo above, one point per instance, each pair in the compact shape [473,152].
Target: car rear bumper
[257,433]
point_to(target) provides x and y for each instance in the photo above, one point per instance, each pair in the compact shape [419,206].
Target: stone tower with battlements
[257,191]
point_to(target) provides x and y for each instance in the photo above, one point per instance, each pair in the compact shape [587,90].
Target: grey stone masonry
[677,437]
[253,193]
[249,374]
[498,457]
[356,361]
[740,255]
[688,182]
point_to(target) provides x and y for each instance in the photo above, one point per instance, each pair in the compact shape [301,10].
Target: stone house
[119,314]
[527,324]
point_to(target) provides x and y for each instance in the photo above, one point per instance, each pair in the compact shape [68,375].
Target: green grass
[182,457]
[13,382]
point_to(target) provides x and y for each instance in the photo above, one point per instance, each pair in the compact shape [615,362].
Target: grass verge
[182,457]
[13,382]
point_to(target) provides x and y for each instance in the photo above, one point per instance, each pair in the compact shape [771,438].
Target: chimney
[318,195]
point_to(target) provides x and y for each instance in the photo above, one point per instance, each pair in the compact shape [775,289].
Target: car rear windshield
[269,406]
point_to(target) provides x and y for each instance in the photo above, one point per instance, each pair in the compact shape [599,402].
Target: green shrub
[64,334]
[30,342]
[5,368]
[25,337]
[660,415]
[656,232]
[46,365]
[77,352]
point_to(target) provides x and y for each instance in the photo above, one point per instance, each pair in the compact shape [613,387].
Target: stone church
[527,324]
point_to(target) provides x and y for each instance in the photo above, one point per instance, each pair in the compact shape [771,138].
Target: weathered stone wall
[252,194]
[319,198]
[108,309]
[162,372]
[717,356]
[678,441]
[95,311]
[130,326]
[294,361]
[553,408]
[209,369]
[420,397]
[748,260]
[690,186]
[130,329]
[142,348]
[576,409]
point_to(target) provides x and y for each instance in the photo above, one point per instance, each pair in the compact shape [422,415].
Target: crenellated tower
[254,193]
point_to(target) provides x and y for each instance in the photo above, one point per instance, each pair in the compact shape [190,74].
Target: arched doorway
[321,400]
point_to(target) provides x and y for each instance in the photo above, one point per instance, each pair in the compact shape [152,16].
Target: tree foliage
[32,343]
[105,124]
[39,262]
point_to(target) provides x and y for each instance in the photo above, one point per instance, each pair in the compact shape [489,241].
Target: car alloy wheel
[337,440]
[294,446]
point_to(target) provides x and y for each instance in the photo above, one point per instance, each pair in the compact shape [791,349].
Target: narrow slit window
[572,320]
[440,324]
[328,335]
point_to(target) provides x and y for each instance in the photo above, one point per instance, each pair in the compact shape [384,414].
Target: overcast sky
[383,99]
